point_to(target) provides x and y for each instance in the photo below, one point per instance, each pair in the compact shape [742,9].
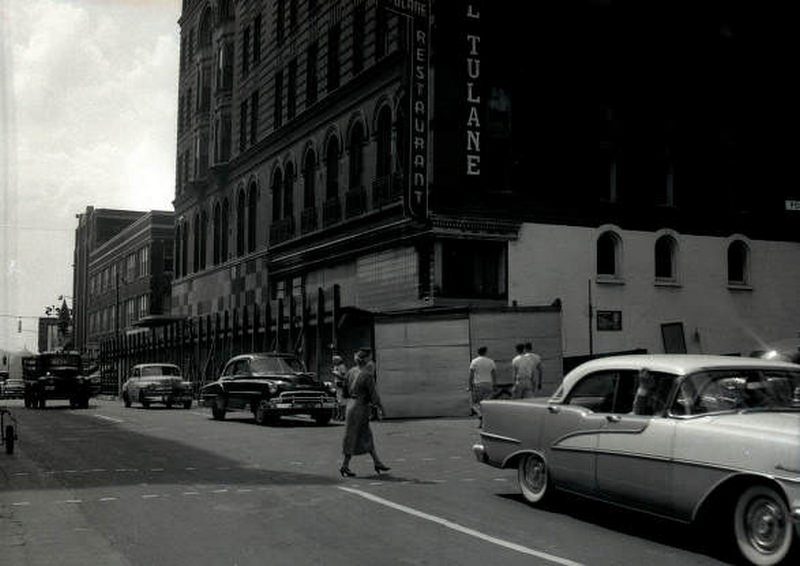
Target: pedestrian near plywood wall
[482,378]
[362,395]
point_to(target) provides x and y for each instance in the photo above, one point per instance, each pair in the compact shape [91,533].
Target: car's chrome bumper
[167,396]
[480,453]
[281,405]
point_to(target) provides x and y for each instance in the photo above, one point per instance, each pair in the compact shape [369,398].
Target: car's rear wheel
[218,409]
[762,526]
[533,479]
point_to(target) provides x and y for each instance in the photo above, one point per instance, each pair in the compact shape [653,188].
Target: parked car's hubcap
[535,475]
[765,524]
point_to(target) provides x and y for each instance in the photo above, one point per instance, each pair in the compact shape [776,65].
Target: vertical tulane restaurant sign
[418,14]
[473,122]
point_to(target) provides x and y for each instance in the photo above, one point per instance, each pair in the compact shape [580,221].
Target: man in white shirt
[482,376]
[527,370]
[537,374]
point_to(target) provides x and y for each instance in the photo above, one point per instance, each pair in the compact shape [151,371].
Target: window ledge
[672,283]
[609,280]
[739,286]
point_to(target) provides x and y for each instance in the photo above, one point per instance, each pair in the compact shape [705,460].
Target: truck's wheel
[9,436]
[126,400]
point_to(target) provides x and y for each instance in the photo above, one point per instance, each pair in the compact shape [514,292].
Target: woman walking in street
[362,395]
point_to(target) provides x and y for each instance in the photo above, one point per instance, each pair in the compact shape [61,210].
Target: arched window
[252,197]
[356,151]
[665,257]
[309,185]
[401,147]
[332,169]
[383,164]
[288,192]
[217,235]
[204,35]
[224,229]
[608,254]
[224,10]
[196,244]
[178,250]
[277,188]
[203,238]
[240,204]
[738,256]
[185,250]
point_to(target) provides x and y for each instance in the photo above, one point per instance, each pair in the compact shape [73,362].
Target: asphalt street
[109,485]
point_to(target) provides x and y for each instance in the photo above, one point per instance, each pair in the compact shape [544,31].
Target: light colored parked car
[157,383]
[12,388]
[710,440]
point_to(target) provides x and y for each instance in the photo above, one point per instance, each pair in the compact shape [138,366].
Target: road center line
[461,528]
[110,419]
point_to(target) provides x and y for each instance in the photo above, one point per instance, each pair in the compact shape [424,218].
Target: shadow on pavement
[628,522]
[94,455]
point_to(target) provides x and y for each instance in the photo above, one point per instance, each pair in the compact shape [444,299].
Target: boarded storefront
[423,356]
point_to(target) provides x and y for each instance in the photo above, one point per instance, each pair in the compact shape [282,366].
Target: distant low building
[129,278]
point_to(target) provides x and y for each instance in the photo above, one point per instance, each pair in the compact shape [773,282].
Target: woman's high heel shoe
[381,468]
[346,472]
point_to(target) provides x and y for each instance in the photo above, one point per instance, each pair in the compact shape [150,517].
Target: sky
[88,110]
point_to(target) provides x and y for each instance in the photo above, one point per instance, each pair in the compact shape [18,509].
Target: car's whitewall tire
[762,526]
[533,478]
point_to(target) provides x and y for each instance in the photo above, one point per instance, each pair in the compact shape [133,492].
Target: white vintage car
[157,383]
[686,437]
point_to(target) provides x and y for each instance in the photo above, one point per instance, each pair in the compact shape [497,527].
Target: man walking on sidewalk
[482,377]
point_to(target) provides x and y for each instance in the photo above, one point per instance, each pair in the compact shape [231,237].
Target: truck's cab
[56,375]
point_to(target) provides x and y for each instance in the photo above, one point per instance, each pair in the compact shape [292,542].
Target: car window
[277,364]
[242,367]
[595,391]
[228,370]
[160,370]
[727,390]
[651,393]
[135,373]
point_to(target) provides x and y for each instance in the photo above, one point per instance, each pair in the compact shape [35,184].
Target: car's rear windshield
[726,390]
[148,371]
[276,365]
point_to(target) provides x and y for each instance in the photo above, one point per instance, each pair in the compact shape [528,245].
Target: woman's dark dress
[361,388]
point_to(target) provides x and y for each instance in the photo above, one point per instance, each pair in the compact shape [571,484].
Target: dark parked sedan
[270,385]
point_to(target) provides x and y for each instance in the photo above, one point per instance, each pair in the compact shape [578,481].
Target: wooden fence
[201,345]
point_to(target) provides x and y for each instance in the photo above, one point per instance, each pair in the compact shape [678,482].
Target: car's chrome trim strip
[693,463]
[500,438]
